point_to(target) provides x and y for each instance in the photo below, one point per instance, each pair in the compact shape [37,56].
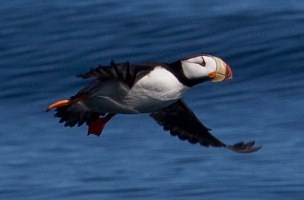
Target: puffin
[154,88]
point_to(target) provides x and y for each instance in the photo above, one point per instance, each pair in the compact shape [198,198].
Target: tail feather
[71,113]
[71,118]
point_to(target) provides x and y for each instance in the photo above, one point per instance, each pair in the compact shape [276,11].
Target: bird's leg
[96,127]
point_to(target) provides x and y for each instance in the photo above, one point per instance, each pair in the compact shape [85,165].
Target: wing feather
[182,122]
[124,72]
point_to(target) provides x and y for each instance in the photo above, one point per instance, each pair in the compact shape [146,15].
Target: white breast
[156,90]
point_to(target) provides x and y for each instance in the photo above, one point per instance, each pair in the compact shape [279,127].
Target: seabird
[153,88]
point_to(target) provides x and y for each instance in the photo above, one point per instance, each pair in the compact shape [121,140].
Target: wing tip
[242,147]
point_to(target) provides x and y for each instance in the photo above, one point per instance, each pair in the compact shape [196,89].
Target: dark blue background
[44,44]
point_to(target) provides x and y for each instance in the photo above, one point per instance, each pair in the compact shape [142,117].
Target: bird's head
[206,67]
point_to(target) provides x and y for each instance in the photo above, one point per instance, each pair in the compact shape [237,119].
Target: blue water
[44,44]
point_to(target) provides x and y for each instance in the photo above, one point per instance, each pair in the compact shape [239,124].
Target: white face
[205,66]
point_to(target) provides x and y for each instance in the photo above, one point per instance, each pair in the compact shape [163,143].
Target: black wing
[125,72]
[182,122]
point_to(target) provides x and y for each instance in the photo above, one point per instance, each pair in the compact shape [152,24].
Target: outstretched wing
[182,122]
[124,72]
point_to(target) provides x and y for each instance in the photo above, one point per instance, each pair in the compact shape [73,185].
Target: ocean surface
[45,44]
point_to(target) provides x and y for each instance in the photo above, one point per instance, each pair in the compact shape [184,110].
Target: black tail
[71,116]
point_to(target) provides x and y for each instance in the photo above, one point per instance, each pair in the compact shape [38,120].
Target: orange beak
[223,71]
[228,74]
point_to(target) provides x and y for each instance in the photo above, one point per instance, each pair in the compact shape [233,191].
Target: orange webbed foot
[58,104]
[96,127]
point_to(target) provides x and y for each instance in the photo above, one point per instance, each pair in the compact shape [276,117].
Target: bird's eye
[203,63]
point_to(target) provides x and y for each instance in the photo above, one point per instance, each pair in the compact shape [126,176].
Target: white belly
[156,90]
